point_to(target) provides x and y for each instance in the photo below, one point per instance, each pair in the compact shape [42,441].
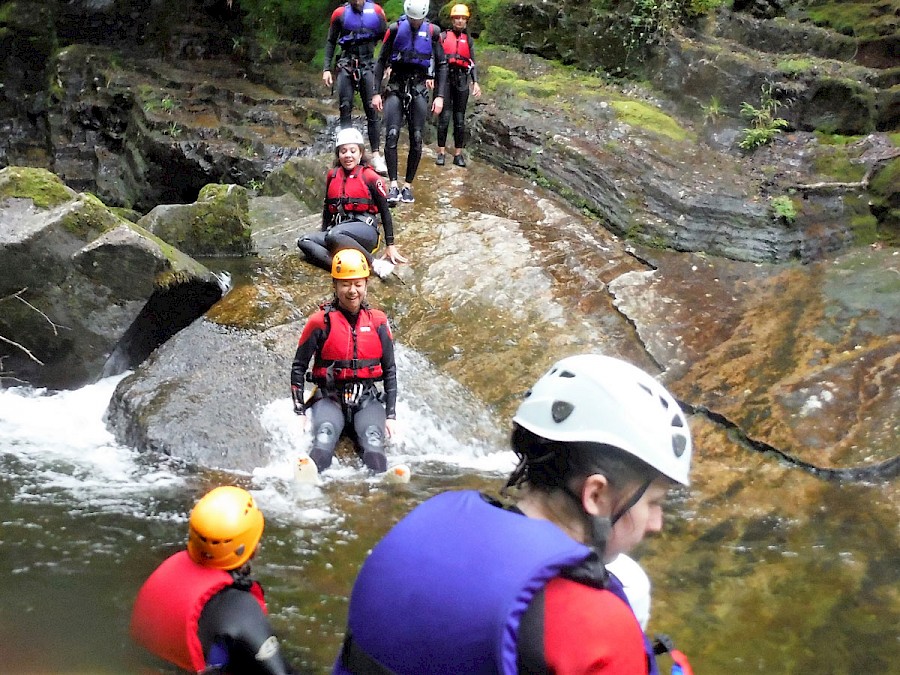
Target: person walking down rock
[357,27]
[460,52]
[412,50]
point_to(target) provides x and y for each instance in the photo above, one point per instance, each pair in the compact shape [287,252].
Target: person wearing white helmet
[357,26]
[466,584]
[411,49]
[354,198]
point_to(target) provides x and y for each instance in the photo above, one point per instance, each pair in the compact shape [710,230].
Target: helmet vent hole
[665,403]
[560,411]
[240,550]
[676,421]
[679,443]
[645,388]
[527,394]
[567,373]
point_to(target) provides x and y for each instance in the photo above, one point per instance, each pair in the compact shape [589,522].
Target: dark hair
[363,157]
[547,465]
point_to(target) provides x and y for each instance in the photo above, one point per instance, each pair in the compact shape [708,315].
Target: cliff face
[173,103]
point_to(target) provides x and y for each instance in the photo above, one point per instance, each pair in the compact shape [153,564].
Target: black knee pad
[415,140]
[325,435]
[374,436]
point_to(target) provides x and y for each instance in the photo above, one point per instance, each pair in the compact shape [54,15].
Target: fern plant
[764,125]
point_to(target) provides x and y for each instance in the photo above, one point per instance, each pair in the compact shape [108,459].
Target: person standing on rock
[200,609]
[600,442]
[354,198]
[412,47]
[357,26]
[460,52]
[352,348]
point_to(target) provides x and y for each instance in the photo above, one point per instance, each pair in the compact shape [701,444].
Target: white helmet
[415,9]
[347,136]
[600,399]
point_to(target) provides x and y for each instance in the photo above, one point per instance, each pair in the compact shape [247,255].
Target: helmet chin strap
[600,527]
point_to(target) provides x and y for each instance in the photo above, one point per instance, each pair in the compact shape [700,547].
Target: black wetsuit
[235,633]
[406,98]
[357,404]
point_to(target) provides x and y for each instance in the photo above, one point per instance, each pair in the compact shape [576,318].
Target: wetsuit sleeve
[388,369]
[384,57]
[590,630]
[334,32]
[472,75]
[311,339]
[439,58]
[327,216]
[379,196]
[233,620]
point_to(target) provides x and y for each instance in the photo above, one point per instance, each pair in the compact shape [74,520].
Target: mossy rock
[301,177]
[217,224]
[43,188]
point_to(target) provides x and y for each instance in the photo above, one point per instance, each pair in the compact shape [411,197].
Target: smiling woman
[353,348]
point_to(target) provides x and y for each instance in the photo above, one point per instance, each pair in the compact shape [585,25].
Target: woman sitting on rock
[354,197]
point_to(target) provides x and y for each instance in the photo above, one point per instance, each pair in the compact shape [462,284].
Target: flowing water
[762,568]
[85,520]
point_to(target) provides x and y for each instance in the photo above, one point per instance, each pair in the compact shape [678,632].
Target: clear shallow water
[85,520]
[800,576]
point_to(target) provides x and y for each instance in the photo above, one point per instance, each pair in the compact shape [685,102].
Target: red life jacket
[457,49]
[350,190]
[168,606]
[350,354]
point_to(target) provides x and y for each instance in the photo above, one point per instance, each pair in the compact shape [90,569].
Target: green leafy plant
[783,208]
[173,130]
[712,110]
[255,184]
[168,104]
[764,125]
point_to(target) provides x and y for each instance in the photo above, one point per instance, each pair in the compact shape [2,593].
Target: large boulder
[198,398]
[218,223]
[74,277]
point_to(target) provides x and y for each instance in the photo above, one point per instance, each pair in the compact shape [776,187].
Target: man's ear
[596,497]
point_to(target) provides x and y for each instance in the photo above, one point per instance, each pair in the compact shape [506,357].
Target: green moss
[641,115]
[895,138]
[840,167]
[859,19]
[886,181]
[89,219]
[836,139]
[795,66]
[8,11]
[865,229]
[39,185]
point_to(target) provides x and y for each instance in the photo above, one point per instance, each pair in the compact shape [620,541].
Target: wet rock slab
[804,358]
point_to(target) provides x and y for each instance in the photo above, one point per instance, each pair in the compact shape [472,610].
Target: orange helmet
[459,11]
[349,264]
[225,527]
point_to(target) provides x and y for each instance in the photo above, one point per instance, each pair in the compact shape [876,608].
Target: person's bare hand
[476,90]
[429,83]
[393,255]
[326,78]
[377,103]
[438,105]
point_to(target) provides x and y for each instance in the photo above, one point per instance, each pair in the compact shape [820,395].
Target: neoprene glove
[297,395]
